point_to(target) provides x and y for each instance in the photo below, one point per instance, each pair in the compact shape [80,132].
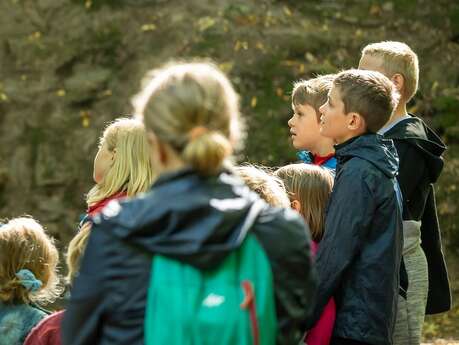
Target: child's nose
[290,122]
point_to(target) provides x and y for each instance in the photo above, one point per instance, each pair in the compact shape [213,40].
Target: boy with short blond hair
[359,257]
[307,97]
[424,282]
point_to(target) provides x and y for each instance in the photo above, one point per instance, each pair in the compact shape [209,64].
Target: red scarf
[98,206]
[319,160]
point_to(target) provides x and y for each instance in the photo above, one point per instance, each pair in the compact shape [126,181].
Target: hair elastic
[197,131]
[28,280]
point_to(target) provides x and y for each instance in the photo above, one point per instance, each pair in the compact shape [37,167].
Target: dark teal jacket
[196,220]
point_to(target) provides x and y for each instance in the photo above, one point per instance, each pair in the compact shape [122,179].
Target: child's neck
[399,112]
[323,148]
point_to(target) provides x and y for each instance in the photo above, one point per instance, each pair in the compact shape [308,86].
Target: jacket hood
[185,216]
[373,148]
[415,132]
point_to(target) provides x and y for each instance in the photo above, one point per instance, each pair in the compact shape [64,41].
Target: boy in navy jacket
[359,258]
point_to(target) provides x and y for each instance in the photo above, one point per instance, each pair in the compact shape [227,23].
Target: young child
[28,276]
[419,150]
[269,187]
[309,188]
[122,165]
[358,260]
[307,97]
[48,330]
[195,218]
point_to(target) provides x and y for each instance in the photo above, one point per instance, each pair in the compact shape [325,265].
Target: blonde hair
[397,57]
[25,245]
[76,250]
[194,109]
[370,94]
[269,187]
[311,186]
[313,92]
[131,171]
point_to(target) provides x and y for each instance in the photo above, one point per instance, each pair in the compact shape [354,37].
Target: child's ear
[295,204]
[356,122]
[399,81]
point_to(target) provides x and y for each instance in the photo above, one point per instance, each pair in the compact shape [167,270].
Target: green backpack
[231,304]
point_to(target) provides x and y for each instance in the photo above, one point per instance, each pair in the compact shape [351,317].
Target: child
[309,188]
[28,260]
[269,187]
[195,218]
[307,97]
[359,256]
[48,330]
[122,165]
[419,150]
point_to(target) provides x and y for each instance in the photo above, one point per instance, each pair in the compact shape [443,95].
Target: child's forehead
[297,106]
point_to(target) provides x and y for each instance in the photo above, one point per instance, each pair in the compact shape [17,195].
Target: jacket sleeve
[439,297]
[88,303]
[347,221]
[286,239]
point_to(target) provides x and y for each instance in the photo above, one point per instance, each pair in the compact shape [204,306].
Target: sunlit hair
[194,109]
[131,171]
[25,245]
[311,186]
[269,187]
[397,57]
[370,94]
[312,92]
[75,251]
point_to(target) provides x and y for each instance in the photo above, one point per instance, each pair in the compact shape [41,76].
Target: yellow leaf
[226,66]
[287,11]
[279,92]
[205,23]
[253,102]
[85,122]
[148,27]
[310,57]
[60,93]
[3,97]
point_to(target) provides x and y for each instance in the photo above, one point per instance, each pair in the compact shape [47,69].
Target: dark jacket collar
[415,132]
[373,148]
[190,217]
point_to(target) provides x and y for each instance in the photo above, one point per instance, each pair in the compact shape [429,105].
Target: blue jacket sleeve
[88,302]
[347,221]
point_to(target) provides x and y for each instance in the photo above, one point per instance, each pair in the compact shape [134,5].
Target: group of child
[181,247]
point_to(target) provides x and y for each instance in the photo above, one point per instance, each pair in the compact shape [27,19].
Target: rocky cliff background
[69,66]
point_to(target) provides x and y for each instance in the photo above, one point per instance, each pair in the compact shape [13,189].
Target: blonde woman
[28,277]
[122,165]
[309,188]
[196,218]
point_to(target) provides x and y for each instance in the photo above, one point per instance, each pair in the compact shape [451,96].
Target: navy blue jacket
[196,220]
[420,151]
[359,256]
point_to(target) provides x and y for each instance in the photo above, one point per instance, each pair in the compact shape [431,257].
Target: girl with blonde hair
[28,277]
[48,330]
[309,187]
[197,217]
[122,166]
[269,187]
